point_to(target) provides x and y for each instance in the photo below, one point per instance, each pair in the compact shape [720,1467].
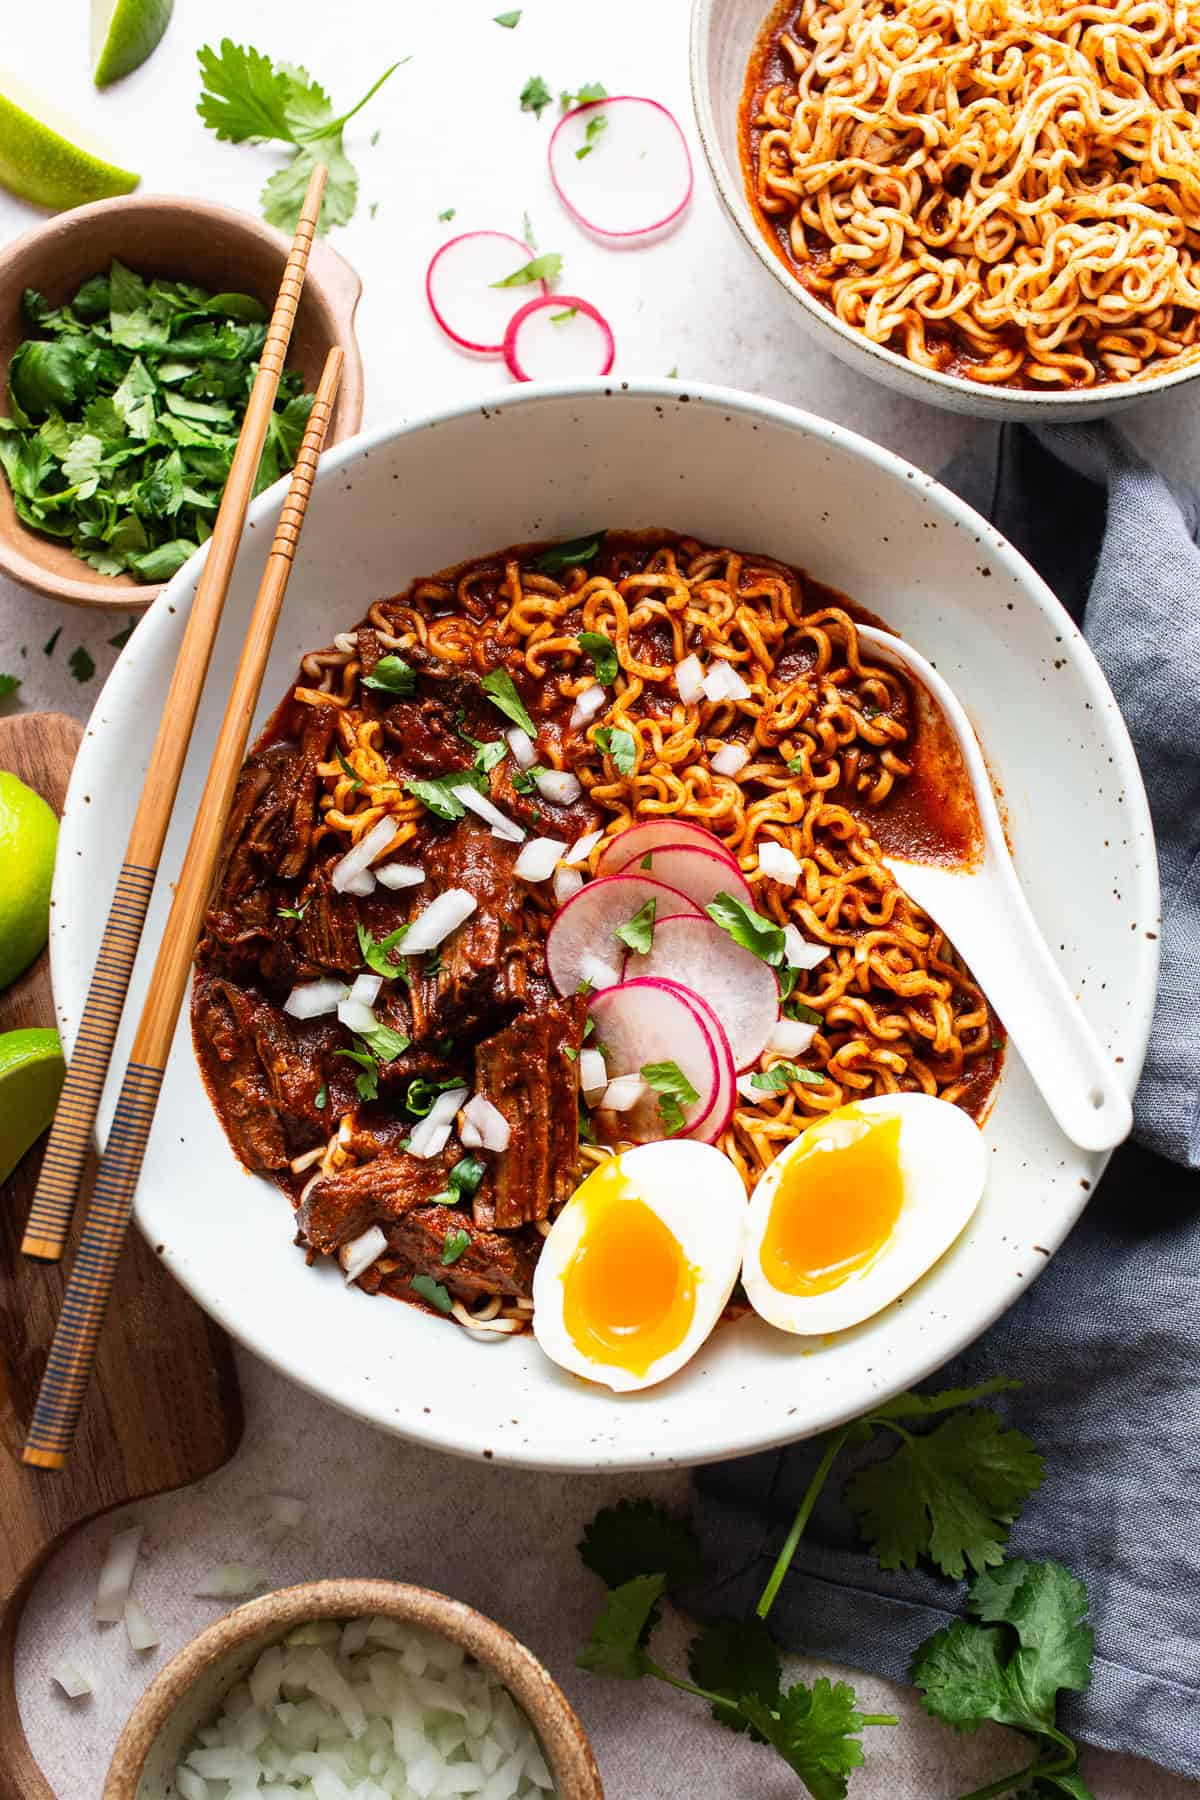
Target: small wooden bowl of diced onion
[366,1689]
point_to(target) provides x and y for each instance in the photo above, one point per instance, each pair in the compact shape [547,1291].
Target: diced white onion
[356,1017]
[488,1122]
[313,999]
[71,1679]
[730,759]
[502,826]
[138,1629]
[596,972]
[791,1037]
[689,680]
[524,751]
[538,859]
[558,786]
[777,861]
[722,682]
[346,642]
[359,858]
[582,848]
[588,704]
[229,1581]
[361,1252]
[361,884]
[116,1576]
[747,1089]
[430,1135]
[623,1093]
[286,1513]
[440,918]
[799,952]
[567,883]
[365,989]
[399,875]
[189,1785]
[593,1076]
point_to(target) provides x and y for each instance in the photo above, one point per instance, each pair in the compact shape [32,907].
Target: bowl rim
[893,367]
[722,1441]
[558,1726]
[330,277]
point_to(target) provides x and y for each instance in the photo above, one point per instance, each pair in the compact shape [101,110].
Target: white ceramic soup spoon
[982,910]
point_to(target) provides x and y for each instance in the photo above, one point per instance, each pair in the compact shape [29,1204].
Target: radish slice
[626,177]
[631,845]
[557,336]
[583,932]
[741,989]
[460,285]
[643,1022]
[700,874]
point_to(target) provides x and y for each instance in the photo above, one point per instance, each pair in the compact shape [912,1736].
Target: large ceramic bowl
[551,462]
[724,33]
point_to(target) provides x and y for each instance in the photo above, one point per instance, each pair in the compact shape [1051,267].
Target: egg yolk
[629,1294]
[837,1202]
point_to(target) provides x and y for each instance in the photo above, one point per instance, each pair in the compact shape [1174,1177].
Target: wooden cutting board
[163,1408]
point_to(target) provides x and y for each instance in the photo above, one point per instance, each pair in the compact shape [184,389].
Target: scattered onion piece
[488,1126]
[799,952]
[440,918]
[558,786]
[116,1576]
[541,345]
[229,1581]
[430,1135]
[360,856]
[593,1076]
[622,1094]
[567,883]
[399,875]
[689,680]
[592,700]
[722,682]
[521,745]
[190,1785]
[597,973]
[286,1513]
[365,989]
[138,1629]
[791,1037]
[460,285]
[635,178]
[360,1252]
[777,862]
[313,999]
[71,1679]
[539,858]
[502,826]
[356,1017]
[582,848]
[730,759]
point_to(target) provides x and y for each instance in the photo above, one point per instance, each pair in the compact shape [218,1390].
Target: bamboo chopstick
[70,1135]
[69,1364]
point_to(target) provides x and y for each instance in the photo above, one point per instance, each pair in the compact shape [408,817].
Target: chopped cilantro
[674,1091]
[436,792]
[804,1015]
[385,1044]
[525,780]
[535,96]
[433,1292]
[347,768]
[392,675]
[295,912]
[761,936]
[455,1243]
[638,1537]
[368,1082]
[620,745]
[373,208]
[586,1134]
[375,951]
[80,664]
[614,1645]
[646,860]
[576,553]
[444,218]
[603,654]
[509,19]
[421,1093]
[9,685]
[595,125]
[321,1097]
[547,268]
[673,373]
[527,231]
[48,646]
[501,691]
[463,1180]
[591,90]
[777,1077]
[123,636]
[564,317]
[638,933]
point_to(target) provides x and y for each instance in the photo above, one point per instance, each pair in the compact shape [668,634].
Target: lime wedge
[46,159]
[31,1074]
[124,32]
[28,840]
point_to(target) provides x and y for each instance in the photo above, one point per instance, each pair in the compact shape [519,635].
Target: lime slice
[28,839]
[124,32]
[31,1074]
[46,159]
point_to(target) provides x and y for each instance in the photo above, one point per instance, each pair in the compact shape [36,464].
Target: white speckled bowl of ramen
[1131,263]
[535,466]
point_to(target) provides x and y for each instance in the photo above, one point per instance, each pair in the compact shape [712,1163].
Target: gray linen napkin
[1107,1343]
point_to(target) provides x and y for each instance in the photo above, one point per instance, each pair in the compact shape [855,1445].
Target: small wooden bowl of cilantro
[129,331]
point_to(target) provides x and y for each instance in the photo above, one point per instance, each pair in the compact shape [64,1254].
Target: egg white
[697,1194]
[943,1167]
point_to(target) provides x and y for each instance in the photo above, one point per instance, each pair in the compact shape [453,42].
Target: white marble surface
[451,134]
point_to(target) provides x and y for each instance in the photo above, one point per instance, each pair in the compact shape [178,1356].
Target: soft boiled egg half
[856,1209]
[639,1264]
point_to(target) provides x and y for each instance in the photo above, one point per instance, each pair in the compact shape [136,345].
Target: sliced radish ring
[700,874]
[585,928]
[557,336]
[460,285]
[644,1022]
[631,845]
[627,178]
[740,989]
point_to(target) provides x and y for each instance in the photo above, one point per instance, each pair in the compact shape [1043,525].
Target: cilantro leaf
[80,664]
[444,218]
[384,1043]
[292,912]
[674,1092]
[736,1657]
[922,1406]
[501,691]
[620,745]
[950,1495]
[640,1537]
[391,675]
[509,19]
[595,125]
[535,96]
[591,90]
[9,685]
[368,1082]
[123,636]
[615,1643]
[422,1093]
[462,1181]
[437,791]
[547,268]
[575,553]
[375,951]
[347,768]
[638,932]
[1046,1606]
[453,1246]
[816,1731]
[433,1292]
[603,654]
[321,1097]
[761,936]
[565,316]
[806,1015]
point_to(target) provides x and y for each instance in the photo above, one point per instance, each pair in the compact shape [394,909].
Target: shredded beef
[529,1073]
[492,1263]
[341,1206]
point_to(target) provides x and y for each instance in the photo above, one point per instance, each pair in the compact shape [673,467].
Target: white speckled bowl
[551,462]
[724,33]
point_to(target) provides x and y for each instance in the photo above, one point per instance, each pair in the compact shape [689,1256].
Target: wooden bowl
[191,1687]
[182,240]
